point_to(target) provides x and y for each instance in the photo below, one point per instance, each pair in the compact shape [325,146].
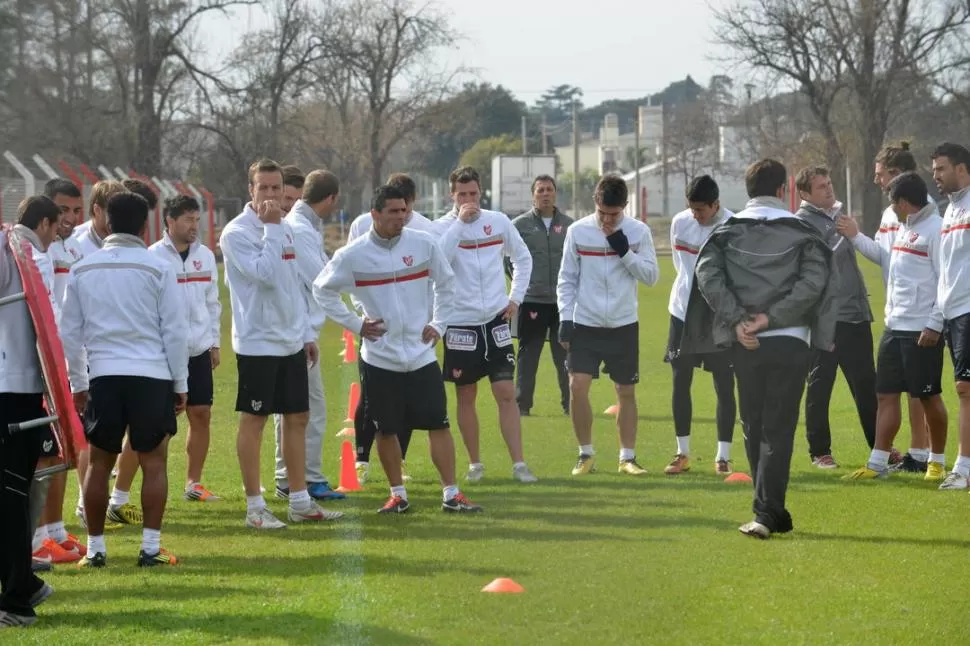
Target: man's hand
[756,324]
[510,310]
[565,333]
[928,338]
[312,353]
[847,226]
[81,403]
[270,212]
[181,400]
[748,340]
[468,211]
[215,357]
[430,335]
[618,242]
[372,330]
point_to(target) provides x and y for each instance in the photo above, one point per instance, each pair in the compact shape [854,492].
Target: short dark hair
[180,205]
[897,157]
[764,178]
[404,183]
[383,194]
[293,176]
[611,190]
[127,213]
[61,186]
[35,209]
[141,188]
[320,184]
[263,166]
[956,153]
[703,189]
[805,177]
[543,178]
[909,187]
[464,175]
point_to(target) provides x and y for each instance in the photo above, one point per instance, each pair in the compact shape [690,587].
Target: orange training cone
[352,402]
[738,477]
[348,469]
[350,348]
[504,586]
[347,432]
[612,410]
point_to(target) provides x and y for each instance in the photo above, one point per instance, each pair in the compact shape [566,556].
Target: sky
[609,48]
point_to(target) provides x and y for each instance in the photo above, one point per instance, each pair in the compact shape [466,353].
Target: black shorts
[958,338]
[200,380]
[709,361]
[395,402]
[144,407]
[902,366]
[618,349]
[476,351]
[272,385]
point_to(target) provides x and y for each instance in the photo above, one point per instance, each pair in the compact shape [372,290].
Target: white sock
[939,458]
[962,466]
[300,499]
[920,454]
[57,531]
[878,460]
[627,454]
[40,535]
[586,449]
[118,497]
[96,545]
[683,445]
[476,465]
[151,541]
[723,451]
[255,503]
[450,492]
[518,465]
[361,464]
[80,498]
[399,491]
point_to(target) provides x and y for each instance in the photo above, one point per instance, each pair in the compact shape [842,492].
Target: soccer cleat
[475,473]
[460,505]
[312,512]
[524,474]
[126,514]
[680,464]
[865,473]
[283,493]
[723,467]
[394,505]
[935,472]
[199,493]
[53,553]
[74,545]
[322,491]
[954,481]
[631,467]
[163,557]
[96,560]
[824,462]
[42,595]
[524,412]
[11,620]
[909,464]
[363,470]
[755,529]
[108,523]
[263,519]
[40,566]
[585,464]
[405,476]
[895,457]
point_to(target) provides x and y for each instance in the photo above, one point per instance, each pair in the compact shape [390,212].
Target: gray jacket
[851,297]
[780,267]
[546,246]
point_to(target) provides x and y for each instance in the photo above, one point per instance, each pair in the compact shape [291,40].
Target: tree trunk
[376,159]
[872,197]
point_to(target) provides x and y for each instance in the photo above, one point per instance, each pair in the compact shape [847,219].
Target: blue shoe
[322,491]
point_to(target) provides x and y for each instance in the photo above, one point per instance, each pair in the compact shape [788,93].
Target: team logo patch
[48,445]
[487,229]
[557,228]
[502,335]
[197,264]
[256,405]
[533,315]
[456,373]
[913,237]
[408,260]
[457,339]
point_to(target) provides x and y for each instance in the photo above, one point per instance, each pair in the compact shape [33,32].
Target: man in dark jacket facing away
[853,332]
[760,286]
[543,228]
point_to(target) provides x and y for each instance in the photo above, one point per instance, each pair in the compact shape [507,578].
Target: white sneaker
[312,512]
[363,470]
[475,473]
[79,512]
[524,474]
[755,530]
[955,481]
[263,519]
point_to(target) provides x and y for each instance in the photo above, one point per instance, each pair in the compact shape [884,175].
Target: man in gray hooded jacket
[760,287]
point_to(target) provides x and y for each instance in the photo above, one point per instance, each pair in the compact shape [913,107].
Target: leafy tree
[481,154]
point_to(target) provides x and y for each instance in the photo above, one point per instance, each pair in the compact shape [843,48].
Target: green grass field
[604,559]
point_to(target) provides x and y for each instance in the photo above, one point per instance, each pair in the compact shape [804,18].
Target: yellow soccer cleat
[865,473]
[935,472]
[126,514]
[631,467]
[680,464]
[585,464]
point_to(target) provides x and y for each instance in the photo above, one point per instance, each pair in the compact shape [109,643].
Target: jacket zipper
[549,245]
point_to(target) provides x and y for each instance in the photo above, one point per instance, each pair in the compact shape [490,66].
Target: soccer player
[951,172]
[321,191]
[273,341]
[90,235]
[689,231]
[64,251]
[478,342]
[388,272]
[760,287]
[911,350]
[293,180]
[853,332]
[543,229]
[124,318]
[197,275]
[364,433]
[604,257]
